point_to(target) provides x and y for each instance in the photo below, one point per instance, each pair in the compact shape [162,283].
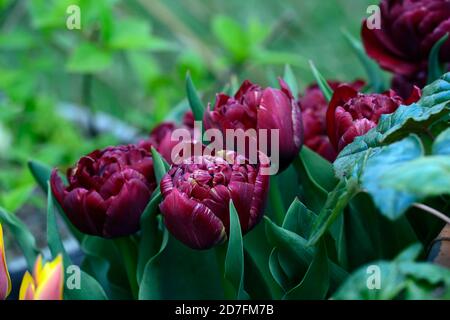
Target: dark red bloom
[197,193]
[253,107]
[314,108]
[108,190]
[351,114]
[409,29]
[160,136]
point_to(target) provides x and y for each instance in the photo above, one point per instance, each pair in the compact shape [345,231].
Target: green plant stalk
[276,200]
[128,251]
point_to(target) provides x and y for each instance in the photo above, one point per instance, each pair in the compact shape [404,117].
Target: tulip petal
[125,209]
[27,288]
[242,195]
[51,283]
[5,280]
[191,222]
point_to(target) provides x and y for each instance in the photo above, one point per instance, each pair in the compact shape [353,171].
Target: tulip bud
[196,195]
[46,283]
[108,191]
[161,136]
[253,107]
[5,280]
[314,108]
[351,114]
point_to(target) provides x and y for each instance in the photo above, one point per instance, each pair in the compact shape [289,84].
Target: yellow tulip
[5,280]
[46,283]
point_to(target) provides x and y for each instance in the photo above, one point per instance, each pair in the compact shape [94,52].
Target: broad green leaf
[395,279]
[299,219]
[130,33]
[234,261]
[392,203]
[296,246]
[22,236]
[435,69]
[231,36]
[423,177]
[277,271]
[194,100]
[313,195]
[89,58]
[290,79]
[318,169]
[441,145]
[316,282]
[178,272]
[336,201]
[103,261]
[321,82]
[258,248]
[255,284]
[372,69]
[89,287]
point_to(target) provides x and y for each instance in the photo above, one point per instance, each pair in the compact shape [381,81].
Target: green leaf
[321,82]
[89,287]
[150,234]
[299,219]
[290,79]
[15,198]
[423,177]
[318,169]
[22,236]
[41,173]
[178,272]
[372,69]
[396,277]
[435,69]
[316,282]
[160,165]
[294,245]
[231,36]
[392,203]
[88,58]
[277,271]
[258,248]
[441,145]
[129,34]
[234,261]
[194,100]
[336,201]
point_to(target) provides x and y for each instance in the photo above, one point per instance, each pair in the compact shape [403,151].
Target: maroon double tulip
[351,114]
[409,29]
[197,192]
[314,108]
[108,190]
[161,136]
[253,107]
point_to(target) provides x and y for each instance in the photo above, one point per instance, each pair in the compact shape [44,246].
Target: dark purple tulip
[314,108]
[409,30]
[160,136]
[253,107]
[108,190]
[197,193]
[351,114]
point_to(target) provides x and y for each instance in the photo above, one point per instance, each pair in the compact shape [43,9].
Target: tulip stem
[276,200]
[128,251]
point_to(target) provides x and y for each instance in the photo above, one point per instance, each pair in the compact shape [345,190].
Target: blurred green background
[129,60]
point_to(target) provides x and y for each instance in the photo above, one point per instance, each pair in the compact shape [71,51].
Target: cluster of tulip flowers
[106,193]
